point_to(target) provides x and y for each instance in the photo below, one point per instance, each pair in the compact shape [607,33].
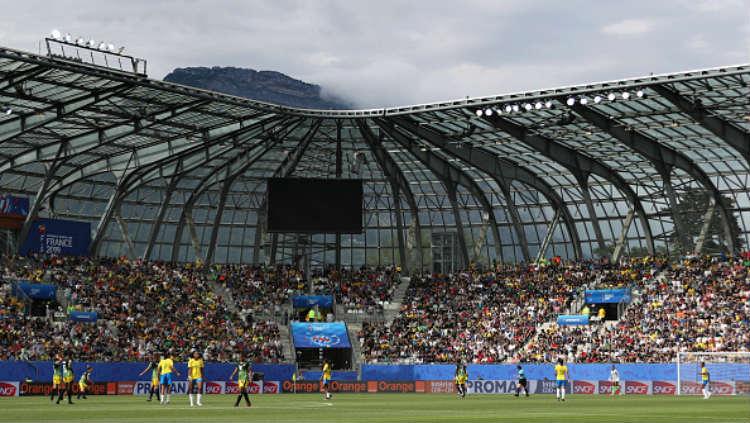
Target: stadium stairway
[286,344]
[226,295]
[390,311]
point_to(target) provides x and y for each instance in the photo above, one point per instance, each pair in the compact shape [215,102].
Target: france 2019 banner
[58,237]
[320,335]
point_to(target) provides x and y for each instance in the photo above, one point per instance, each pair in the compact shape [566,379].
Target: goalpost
[729,372]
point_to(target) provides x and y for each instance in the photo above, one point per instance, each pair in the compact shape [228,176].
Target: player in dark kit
[153,365]
[67,372]
[244,376]
[523,383]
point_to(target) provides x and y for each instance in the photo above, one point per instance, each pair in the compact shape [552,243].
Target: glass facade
[169,173]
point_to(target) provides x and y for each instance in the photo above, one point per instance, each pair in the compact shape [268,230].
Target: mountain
[268,86]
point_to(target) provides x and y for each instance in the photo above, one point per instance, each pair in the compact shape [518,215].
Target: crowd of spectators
[699,304]
[481,317]
[142,307]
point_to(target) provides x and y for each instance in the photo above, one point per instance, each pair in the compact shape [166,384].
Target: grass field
[311,408]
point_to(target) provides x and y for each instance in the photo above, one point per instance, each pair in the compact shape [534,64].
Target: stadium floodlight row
[170,172]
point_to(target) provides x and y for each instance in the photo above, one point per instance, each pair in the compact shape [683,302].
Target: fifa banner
[209,387]
[58,237]
[572,319]
[83,316]
[10,205]
[320,335]
[309,301]
[38,291]
[9,389]
[607,296]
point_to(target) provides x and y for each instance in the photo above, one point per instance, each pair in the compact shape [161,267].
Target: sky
[389,53]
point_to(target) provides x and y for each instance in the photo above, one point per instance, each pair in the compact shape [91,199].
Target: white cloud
[394,52]
[629,27]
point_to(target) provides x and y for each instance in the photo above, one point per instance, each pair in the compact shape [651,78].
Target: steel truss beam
[623,236]
[581,166]
[450,175]
[727,131]
[548,237]
[399,185]
[503,171]
[160,216]
[128,180]
[212,178]
[663,157]
[125,235]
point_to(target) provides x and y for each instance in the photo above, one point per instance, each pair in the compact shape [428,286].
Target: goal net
[729,372]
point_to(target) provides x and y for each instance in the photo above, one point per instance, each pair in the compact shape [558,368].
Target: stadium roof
[171,172]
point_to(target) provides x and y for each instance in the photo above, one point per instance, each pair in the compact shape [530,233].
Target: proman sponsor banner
[210,387]
[491,386]
[663,387]
[9,389]
[637,387]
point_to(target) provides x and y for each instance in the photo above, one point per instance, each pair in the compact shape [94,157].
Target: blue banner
[320,335]
[572,319]
[310,301]
[58,237]
[83,316]
[14,206]
[607,296]
[38,291]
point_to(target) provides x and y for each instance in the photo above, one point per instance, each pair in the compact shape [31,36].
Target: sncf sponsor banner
[253,388]
[717,387]
[637,387]
[9,389]
[663,387]
[605,388]
[587,387]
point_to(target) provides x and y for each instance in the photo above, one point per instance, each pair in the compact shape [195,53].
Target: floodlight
[68,38]
[548,104]
[583,100]
[111,47]
[92,43]
[625,95]
[102,46]
[538,105]
[611,96]
[570,101]
[120,50]
[80,41]
[516,107]
[479,112]
[488,112]
[597,99]
[55,34]
[640,94]
[508,108]
[528,107]
[8,110]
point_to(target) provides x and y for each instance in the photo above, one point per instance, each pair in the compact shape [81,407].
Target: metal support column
[160,216]
[125,235]
[193,235]
[217,218]
[584,183]
[623,236]
[339,172]
[451,188]
[708,218]
[517,223]
[548,237]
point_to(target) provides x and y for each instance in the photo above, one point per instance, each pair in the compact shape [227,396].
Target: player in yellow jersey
[706,381]
[461,377]
[561,376]
[326,378]
[195,377]
[166,368]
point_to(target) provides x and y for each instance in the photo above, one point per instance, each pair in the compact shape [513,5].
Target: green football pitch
[311,408]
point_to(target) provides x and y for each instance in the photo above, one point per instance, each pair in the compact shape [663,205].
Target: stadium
[468,260]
